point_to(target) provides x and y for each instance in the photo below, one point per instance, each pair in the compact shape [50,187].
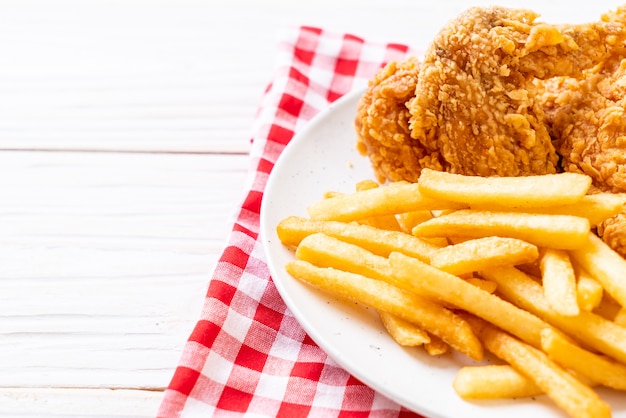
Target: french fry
[607,308]
[527,191]
[436,346]
[325,251]
[605,265]
[588,290]
[597,368]
[293,229]
[388,222]
[574,397]
[403,332]
[408,220]
[620,317]
[559,282]
[420,278]
[486,285]
[385,222]
[366,185]
[331,194]
[493,382]
[552,231]
[387,298]
[595,207]
[596,331]
[390,200]
[481,253]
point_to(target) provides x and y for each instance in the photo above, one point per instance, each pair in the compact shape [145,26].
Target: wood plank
[65,402]
[105,262]
[175,76]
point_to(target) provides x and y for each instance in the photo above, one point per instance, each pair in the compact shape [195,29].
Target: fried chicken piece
[613,233]
[587,119]
[588,122]
[382,124]
[476,100]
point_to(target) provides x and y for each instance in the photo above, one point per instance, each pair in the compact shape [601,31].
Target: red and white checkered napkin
[247,354]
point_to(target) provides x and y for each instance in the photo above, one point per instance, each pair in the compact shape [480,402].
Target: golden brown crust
[382,124]
[476,98]
[500,93]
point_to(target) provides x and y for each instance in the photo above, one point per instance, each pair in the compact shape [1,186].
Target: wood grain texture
[105,259]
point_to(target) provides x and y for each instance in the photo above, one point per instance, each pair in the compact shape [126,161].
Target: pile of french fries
[505,265]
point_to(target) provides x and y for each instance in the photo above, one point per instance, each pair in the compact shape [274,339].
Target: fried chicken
[382,124]
[476,100]
[588,122]
[499,93]
[587,119]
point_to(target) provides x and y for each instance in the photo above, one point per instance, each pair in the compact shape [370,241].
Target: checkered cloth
[247,354]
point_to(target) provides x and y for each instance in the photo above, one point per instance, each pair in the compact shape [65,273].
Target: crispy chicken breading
[476,100]
[500,93]
[472,106]
[382,124]
[587,120]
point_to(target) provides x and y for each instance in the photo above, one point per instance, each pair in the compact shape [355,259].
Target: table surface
[124,139]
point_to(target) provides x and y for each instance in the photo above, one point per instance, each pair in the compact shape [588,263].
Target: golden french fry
[576,398]
[408,220]
[387,298]
[366,185]
[607,308]
[597,368]
[325,251]
[559,282]
[552,231]
[596,207]
[605,265]
[620,317]
[420,278]
[486,285]
[383,221]
[493,382]
[596,331]
[589,291]
[528,191]
[436,346]
[404,332]
[330,194]
[389,200]
[293,229]
[481,253]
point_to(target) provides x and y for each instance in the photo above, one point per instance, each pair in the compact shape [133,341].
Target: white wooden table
[124,138]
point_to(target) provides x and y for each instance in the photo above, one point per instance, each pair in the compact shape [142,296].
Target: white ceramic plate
[320,158]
